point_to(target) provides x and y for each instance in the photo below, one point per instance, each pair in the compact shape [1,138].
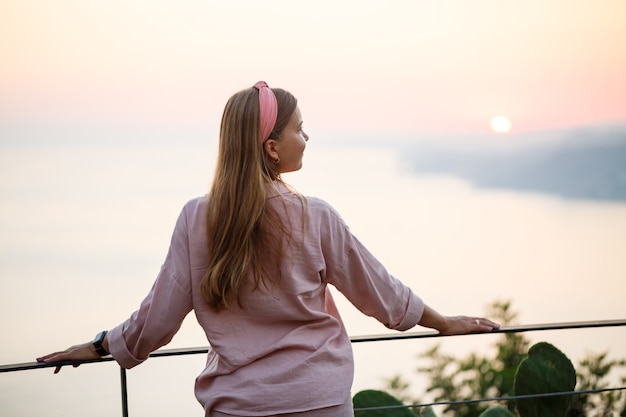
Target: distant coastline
[583,163]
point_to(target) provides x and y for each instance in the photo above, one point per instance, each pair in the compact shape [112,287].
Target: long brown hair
[239,223]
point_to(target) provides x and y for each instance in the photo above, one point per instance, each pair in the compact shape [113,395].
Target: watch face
[100,337]
[97,343]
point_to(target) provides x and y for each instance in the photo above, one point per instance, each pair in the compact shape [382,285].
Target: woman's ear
[270,149]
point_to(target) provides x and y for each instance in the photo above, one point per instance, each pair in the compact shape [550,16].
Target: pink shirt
[285,349]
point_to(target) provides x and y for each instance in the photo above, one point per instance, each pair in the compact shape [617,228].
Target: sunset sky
[401,66]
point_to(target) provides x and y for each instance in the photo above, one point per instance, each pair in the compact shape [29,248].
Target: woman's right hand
[84,351]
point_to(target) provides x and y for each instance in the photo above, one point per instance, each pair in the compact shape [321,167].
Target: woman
[253,260]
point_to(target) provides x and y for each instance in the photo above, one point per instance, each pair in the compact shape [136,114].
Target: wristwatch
[97,343]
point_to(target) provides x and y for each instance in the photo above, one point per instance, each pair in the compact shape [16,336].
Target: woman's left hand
[464,324]
[80,352]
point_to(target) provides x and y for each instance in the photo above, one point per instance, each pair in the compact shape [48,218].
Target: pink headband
[268,109]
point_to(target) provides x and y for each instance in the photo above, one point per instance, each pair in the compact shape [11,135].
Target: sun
[500,124]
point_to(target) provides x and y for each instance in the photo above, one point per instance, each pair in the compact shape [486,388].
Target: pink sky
[366,65]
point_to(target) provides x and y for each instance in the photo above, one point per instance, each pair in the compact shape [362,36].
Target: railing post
[124,392]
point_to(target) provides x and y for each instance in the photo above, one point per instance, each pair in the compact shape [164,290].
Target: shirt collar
[276,188]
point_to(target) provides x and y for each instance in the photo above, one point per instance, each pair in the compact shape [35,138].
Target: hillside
[587,163]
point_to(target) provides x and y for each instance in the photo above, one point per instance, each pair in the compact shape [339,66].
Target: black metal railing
[355,339]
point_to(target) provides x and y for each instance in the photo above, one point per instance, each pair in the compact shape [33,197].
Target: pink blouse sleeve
[364,281]
[162,312]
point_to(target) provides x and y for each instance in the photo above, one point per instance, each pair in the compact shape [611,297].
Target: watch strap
[97,343]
